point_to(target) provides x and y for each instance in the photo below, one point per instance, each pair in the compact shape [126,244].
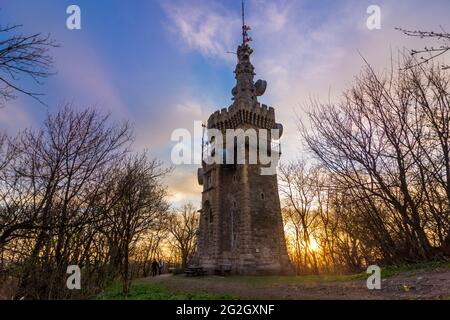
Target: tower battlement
[259,116]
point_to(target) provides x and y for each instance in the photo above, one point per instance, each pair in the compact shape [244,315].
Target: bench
[194,271]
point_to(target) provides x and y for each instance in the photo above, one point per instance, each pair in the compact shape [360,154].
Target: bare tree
[140,206]
[150,247]
[388,150]
[183,225]
[318,221]
[297,188]
[73,194]
[53,185]
[23,55]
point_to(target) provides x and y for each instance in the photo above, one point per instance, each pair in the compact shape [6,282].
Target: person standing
[154,268]
[161,266]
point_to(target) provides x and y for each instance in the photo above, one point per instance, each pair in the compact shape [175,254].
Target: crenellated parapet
[259,116]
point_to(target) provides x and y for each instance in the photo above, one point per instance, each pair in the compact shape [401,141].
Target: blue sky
[162,64]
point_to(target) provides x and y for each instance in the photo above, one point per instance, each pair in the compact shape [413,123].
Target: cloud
[15,117]
[183,186]
[178,114]
[190,109]
[202,25]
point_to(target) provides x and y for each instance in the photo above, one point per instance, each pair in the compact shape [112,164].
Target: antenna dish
[260,87]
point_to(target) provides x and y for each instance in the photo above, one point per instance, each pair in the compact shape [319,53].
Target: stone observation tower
[241,229]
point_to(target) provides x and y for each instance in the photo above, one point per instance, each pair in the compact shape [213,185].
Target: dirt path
[418,285]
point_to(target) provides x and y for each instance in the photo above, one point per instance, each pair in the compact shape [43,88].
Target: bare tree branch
[428,54]
[23,56]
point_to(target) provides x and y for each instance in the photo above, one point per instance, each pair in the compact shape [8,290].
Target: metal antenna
[244,32]
[245,28]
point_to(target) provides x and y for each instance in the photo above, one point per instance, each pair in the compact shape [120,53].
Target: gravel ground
[416,285]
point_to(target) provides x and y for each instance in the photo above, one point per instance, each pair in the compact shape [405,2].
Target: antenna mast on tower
[245,28]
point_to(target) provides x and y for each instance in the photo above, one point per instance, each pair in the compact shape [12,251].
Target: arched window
[208,182]
[262,196]
[208,211]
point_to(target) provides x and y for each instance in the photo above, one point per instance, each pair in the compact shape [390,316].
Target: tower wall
[241,225]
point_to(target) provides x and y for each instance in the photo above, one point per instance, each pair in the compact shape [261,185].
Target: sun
[313,245]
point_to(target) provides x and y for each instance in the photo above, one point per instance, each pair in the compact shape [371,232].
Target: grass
[410,269]
[141,290]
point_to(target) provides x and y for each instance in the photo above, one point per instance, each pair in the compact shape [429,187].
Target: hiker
[161,266]
[154,268]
